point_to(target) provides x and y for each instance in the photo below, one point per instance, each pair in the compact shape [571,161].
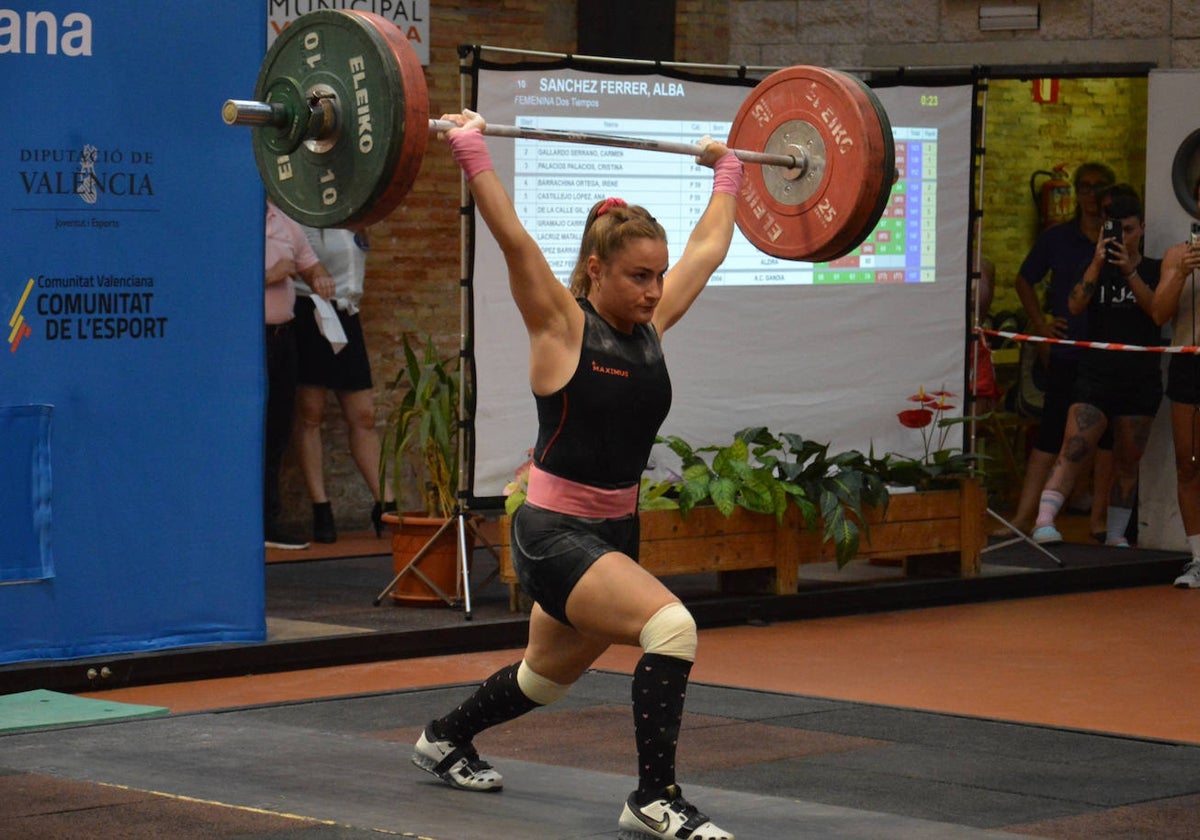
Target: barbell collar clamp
[314,124]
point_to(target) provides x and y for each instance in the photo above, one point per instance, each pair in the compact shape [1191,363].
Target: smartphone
[1196,236]
[1112,230]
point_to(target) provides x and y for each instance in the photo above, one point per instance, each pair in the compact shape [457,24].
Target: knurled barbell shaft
[249,112]
[797,161]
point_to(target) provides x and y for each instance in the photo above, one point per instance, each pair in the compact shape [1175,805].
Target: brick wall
[1094,119]
[413,267]
[863,33]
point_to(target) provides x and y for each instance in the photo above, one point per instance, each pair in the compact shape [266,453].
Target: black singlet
[599,428]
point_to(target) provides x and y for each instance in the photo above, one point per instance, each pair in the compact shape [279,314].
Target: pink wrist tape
[470,151]
[727,174]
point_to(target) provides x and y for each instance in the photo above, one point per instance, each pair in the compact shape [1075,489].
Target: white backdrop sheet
[830,362]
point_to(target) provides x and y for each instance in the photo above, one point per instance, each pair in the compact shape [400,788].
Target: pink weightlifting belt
[562,495]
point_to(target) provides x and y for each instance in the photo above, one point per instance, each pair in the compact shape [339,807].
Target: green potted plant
[423,422]
[761,472]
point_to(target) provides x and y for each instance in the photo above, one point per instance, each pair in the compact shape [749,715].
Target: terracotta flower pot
[410,534]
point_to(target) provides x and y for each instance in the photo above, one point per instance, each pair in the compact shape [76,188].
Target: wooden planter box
[922,529]
[939,531]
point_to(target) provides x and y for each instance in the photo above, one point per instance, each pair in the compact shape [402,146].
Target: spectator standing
[288,256]
[1175,301]
[1063,252]
[1117,389]
[344,370]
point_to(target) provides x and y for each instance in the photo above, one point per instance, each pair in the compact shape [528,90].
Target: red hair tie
[608,204]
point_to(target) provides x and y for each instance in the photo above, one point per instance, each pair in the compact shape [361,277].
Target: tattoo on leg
[1076,449]
[1088,416]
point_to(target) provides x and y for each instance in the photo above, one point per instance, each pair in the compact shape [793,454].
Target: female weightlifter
[602,391]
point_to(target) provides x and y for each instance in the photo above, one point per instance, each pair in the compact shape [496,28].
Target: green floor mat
[40,708]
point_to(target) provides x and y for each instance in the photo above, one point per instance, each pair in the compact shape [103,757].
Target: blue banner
[131,289]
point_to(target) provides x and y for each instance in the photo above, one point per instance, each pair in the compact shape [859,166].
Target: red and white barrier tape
[1095,345]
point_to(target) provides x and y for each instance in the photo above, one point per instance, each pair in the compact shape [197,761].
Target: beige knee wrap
[537,688]
[670,632]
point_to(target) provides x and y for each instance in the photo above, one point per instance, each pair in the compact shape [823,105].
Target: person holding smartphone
[1175,301]
[1061,253]
[1121,389]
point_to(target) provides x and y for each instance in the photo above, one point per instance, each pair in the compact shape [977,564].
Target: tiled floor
[1125,661]
[1064,716]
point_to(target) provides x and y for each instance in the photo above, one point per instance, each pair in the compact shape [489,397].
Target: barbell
[340,121]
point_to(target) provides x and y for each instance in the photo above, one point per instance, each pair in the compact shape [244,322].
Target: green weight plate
[374,90]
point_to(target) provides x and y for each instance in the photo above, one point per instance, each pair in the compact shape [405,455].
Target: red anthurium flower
[916,418]
[934,406]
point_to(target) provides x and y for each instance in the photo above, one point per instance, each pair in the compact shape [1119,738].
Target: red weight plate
[827,211]
[856,234]
[413,135]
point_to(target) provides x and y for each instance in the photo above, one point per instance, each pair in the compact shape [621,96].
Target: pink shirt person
[287,253]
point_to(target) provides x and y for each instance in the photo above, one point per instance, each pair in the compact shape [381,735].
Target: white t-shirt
[346,261]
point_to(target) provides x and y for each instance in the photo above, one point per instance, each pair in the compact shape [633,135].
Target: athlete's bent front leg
[560,652]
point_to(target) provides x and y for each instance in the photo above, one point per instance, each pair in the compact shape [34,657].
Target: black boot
[377,512]
[324,531]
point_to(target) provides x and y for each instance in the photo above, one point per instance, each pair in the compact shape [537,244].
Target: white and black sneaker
[670,818]
[278,539]
[460,767]
[1190,579]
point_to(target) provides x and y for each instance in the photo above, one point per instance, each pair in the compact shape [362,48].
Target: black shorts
[1060,381]
[1127,393]
[320,367]
[551,551]
[1183,378]
[1059,395]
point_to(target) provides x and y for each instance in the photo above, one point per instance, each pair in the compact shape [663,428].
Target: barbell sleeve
[249,112]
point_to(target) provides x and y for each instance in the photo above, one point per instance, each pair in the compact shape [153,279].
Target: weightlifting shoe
[460,767]
[670,817]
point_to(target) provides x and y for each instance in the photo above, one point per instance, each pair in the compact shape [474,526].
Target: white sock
[1118,521]
[1194,544]
[1049,506]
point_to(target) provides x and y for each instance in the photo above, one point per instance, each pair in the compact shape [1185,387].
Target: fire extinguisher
[1052,196]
